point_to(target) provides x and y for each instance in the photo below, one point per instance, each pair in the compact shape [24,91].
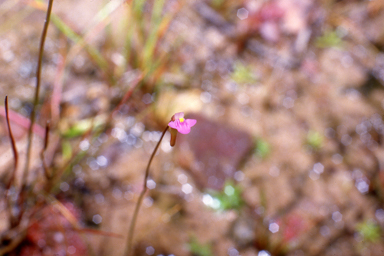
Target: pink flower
[181,125]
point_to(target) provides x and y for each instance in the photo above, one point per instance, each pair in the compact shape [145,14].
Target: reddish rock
[212,152]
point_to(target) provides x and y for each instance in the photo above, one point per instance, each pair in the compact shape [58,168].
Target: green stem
[128,250]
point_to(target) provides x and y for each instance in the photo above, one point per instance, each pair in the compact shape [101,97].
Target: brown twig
[47,173]
[128,250]
[13,221]
[13,144]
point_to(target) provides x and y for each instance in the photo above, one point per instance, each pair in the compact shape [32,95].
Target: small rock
[212,152]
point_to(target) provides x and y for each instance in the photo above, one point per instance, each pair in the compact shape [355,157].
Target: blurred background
[286,157]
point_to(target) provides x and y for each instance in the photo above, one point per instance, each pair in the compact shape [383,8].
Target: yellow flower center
[181,120]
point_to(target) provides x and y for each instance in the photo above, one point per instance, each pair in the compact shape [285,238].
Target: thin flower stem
[38,82]
[128,250]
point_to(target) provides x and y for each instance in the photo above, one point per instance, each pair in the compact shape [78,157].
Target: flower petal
[179,115]
[190,122]
[184,129]
[173,124]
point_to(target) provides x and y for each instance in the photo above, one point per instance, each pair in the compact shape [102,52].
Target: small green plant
[369,231]
[243,74]
[217,3]
[329,39]
[229,198]
[81,127]
[198,249]
[262,149]
[315,139]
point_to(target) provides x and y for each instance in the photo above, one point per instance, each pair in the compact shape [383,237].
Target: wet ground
[286,157]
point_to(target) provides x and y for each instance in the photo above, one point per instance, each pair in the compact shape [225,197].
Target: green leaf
[83,126]
[243,74]
[369,231]
[329,39]
[229,198]
[315,139]
[66,150]
[217,3]
[263,149]
[198,249]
